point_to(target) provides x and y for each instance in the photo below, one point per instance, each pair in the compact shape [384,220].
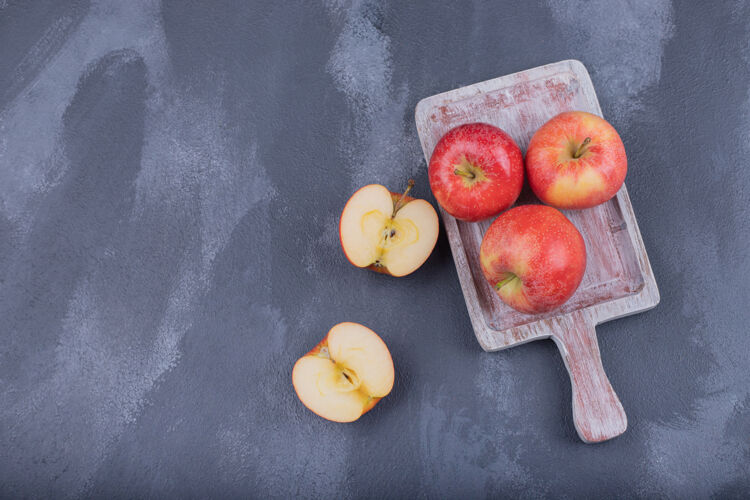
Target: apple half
[387,232]
[345,375]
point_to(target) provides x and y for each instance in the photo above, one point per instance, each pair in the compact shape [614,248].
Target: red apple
[387,232]
[345,375]
[576,160]
[476,171]
[534,257]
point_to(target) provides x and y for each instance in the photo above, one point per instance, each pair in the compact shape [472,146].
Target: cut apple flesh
[321,386]
[344,375]
[371,234]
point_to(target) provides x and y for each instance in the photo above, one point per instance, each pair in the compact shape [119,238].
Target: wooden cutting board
[618,279]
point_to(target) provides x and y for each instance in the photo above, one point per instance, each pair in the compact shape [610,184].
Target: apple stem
[399,203]
[582,147]
[464,173]
[504,282]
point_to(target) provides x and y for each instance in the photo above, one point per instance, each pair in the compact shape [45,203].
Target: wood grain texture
[618,280]
[598,414]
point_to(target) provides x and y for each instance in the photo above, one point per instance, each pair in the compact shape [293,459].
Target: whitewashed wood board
[618,280]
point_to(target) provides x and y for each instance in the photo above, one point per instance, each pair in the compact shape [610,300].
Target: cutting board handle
[597,412]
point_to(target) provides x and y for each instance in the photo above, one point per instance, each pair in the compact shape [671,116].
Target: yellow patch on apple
[575,186]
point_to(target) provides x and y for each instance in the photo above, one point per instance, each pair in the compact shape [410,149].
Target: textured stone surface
[171,175]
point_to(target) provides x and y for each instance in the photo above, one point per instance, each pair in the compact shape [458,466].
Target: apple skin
[488,154]
[560,180]
[543,250]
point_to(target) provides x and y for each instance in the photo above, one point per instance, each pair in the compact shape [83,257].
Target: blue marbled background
[171,174]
